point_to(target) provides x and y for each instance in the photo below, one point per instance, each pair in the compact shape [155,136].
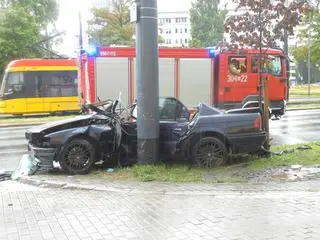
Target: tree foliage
[22,23]
[206,23]
[261,23]
[18,34]
[43,11]
[112,26]
[310,37]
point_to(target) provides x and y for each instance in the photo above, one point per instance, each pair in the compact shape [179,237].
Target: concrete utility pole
[148,81]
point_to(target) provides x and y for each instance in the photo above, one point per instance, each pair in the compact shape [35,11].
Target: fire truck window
[237,65]
[275,66]
[254,65]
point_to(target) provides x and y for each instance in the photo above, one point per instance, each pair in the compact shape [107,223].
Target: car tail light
[257,123]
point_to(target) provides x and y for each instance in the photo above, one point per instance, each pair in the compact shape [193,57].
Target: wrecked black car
[108,133]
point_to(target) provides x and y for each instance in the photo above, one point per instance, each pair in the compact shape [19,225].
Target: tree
[160,39]
[112,26]
[310,37]
[19,33]
[206,23]
[45,12]
[261,24]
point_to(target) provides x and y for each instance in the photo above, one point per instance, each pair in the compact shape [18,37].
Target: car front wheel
[77,156]
[209,152]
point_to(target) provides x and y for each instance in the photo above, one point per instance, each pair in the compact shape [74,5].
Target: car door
[174,120]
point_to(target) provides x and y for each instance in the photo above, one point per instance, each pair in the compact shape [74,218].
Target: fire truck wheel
[209,152]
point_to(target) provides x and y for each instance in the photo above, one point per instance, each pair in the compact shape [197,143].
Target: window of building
[186,40]
[186,30]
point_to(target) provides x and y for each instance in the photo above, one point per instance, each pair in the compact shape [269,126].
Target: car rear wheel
[77,156]
[209,152]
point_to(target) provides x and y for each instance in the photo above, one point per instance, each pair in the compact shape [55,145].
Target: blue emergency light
[92,51]
[212,52]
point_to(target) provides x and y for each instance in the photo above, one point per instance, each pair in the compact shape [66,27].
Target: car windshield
[167,109]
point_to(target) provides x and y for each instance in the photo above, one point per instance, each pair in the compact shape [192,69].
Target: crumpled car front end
[46,141]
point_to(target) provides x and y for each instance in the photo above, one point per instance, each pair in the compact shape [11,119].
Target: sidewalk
[121,211]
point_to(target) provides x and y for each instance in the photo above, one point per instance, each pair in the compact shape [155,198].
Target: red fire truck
[225,79]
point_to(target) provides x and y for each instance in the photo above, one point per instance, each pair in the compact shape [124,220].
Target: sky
[68,20]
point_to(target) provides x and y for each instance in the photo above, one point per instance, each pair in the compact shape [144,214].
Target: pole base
[148,151]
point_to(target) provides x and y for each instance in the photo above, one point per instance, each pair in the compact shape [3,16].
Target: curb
[71,186]
[227,190]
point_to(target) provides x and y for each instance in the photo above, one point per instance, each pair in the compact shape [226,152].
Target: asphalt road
[295,127]
[12,146]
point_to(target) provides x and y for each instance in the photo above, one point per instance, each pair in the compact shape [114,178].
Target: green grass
[173,173]
[301,157]
[180,173]
[302,91]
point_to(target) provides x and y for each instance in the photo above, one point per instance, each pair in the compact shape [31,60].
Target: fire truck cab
[225,79]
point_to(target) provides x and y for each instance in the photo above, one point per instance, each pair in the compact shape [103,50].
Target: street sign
[133,12]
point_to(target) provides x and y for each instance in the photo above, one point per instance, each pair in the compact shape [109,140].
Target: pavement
[159,211]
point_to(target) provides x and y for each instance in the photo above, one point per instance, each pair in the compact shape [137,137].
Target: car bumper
[247,143]
[45,156]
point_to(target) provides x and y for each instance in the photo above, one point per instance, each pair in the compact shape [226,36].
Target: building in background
[102,3]
[174,28]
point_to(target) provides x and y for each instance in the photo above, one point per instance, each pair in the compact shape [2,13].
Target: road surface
[295,127]
[12,146]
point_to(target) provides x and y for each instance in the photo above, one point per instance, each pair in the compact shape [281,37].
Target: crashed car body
[205,135]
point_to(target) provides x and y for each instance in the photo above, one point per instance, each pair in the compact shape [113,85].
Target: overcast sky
[69,21]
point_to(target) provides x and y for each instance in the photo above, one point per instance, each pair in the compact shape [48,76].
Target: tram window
[14,86]
[52,84]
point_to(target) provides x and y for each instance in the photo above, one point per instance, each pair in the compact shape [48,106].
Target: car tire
[77,156]
[209,152]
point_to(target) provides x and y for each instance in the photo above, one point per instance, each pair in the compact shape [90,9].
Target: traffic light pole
[148,81]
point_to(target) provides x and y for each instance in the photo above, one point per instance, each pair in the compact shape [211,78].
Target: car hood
[79,121]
